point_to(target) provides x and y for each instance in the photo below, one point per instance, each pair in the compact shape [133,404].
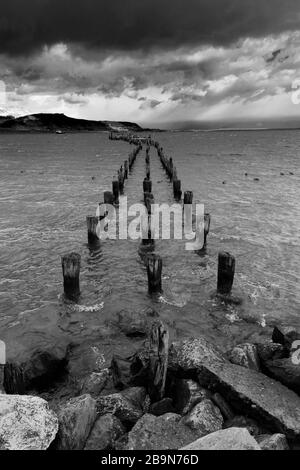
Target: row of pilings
[71,262]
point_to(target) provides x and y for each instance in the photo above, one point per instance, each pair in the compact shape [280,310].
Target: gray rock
[244,422]
[76,420]
[187,393]
[245,355]
[132,323]
[204,418]
[275,442]
[26,423]
[107,429]
[95,383]
[159,433]
[162,407]
[285,372]
[227,439]
[250,392]
[223,406]
[128,406]
[270,351]
[285,336]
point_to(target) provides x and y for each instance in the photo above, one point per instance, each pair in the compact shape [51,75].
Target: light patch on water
[175,303]
[87,308]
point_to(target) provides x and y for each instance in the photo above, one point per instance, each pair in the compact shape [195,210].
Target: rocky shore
[246,398]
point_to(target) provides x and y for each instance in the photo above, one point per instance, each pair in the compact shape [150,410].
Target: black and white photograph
[149,228]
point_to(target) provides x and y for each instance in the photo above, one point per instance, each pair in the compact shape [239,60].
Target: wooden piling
[71,273]
[207,221]
[115,188]
[108,197]
[188,197]
[147,186]
[158,361]
[177,189]
[226,270]
[154,272]
[126,169]
[92,223]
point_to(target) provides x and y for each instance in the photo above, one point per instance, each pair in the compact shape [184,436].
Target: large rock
[244,422]
[245,355]
[227,439]
[159,433]
[270,351]
[162,407]
[128,406]
[76,420]
[107,429]
[26,423]
[275,442]
[223,406]
[204,418]
[131,323]
[248,392]
[187,393]
[285,372]
[37,352]
[95,383]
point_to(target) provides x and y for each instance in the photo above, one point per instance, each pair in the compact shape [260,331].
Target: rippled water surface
[47,191]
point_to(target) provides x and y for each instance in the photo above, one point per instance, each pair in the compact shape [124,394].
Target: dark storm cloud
[28,25]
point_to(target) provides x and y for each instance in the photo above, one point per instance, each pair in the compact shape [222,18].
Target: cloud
[27,26]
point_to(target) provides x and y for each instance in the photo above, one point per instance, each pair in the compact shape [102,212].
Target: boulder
[204,418]
[270,351]
[162,407]
[285,372]
[248,392]
[275,442]
[245,355]
[128,406]
[285,336]
[95,383]
[132,371]
[37,352]
[159,433]
[107,429]
[187,393]
[26,423]
[131,323]
[226,439]
[223,406]
[244,422]
[76,420]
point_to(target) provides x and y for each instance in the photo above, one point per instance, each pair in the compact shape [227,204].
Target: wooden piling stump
[71,273]
[92,223]
[207,221]
[226,270]
[115,188]
[147,186]
[126,169]
[158,361]
[154,272]
[188,197]
[108,197]
[177,189]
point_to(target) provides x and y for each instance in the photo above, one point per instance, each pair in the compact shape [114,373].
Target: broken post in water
[188,197]
[108,197]
[226,270]
[147,186]
[71,273]
[126,169]
[177,189]
[158,360]
[207,221]
[92,223]
[115,188]
[154,272]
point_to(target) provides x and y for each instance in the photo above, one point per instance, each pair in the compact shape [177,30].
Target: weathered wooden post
[108,197]
[207,221]
[226,270]
[177,189]
[147,186]
[92,223]
[126,169]
[154,272]
[149,200]
[188,197]
[158,360]
[121,180]
[71,273]
[115,188]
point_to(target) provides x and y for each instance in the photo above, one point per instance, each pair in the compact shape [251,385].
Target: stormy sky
[150,61]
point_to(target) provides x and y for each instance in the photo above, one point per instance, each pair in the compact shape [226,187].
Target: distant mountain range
[61,123]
